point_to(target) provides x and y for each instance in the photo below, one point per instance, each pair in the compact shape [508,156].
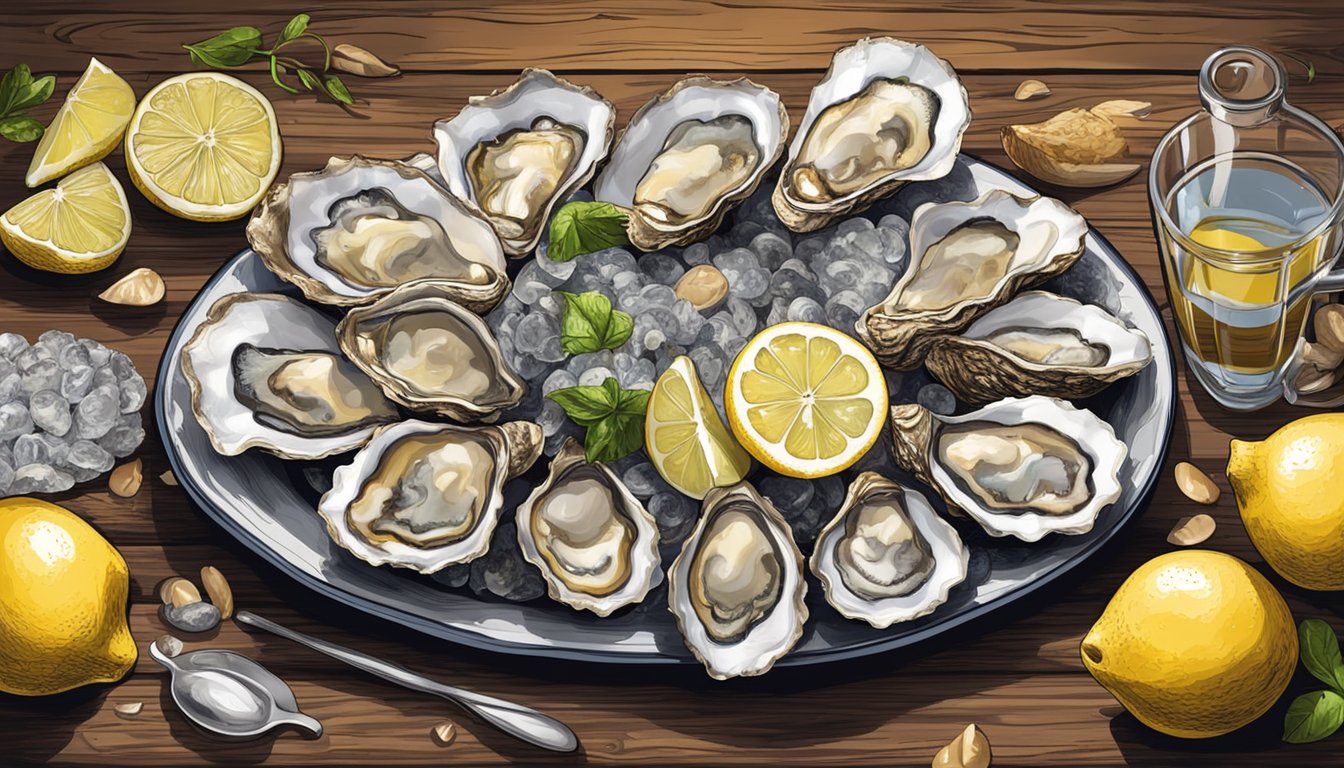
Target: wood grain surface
[1019,676]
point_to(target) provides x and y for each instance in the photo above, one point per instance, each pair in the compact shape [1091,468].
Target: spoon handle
[515,719]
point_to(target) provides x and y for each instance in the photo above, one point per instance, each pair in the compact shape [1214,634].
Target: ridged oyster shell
[690,155]
[425,496]
[967,258]
[429,353]
[593,541]
[886,113]
[523,150]
[259,368]
[887,556]
[1022,467]
[359,227]
[1039,343]
[742,551]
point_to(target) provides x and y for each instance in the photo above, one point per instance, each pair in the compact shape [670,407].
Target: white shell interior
[267,320]
[951,560]
[311,195]
[1091,434]
[1040,309]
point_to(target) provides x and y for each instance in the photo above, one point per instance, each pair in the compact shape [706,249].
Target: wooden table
[1020,678]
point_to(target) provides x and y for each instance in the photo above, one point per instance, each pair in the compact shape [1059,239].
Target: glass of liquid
[1246,198]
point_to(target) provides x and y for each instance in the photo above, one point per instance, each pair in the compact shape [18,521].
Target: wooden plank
[1029,35]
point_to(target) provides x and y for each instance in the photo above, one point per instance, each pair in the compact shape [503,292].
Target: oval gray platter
[263,503]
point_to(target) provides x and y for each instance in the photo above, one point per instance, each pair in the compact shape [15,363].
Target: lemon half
[806,399]
[203,146]
[86,127]
[685,439]
[80,226]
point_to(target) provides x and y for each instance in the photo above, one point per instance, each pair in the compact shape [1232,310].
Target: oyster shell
[886,556]
[737,587]
[425,496]
[967,258]
[265,372]
[594,543]
[1022,467]
[888,112]
[519,152]
[358,228]
[429,353]
[690,155]
[1039,343]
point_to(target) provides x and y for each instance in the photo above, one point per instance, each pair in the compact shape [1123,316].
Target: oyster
[967,258]
[690,155]
[1039,343]
[737,587]
[519,152]
[888,112]
[886,556]
[594,543]
[425,496]
[429,353]
[358,228]
[265,372]
[1021,467]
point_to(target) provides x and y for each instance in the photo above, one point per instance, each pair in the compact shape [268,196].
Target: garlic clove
[125,480]
[1192,530]
[970,749]
[1123,108]
[139,288]
[444,733]
[1196,485]
[1031,89]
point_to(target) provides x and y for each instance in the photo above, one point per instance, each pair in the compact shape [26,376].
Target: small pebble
[937,398]
[170,646]
[195,617]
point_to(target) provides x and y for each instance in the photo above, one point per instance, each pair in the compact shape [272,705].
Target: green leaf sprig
[242,45]
[614,417]
[1316,715]
[20,91]
[590,324]
[584,227]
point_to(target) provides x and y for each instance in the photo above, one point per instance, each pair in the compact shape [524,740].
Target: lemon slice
[684,437]
[203,146]
[81,225]
[86,127]
[805,399]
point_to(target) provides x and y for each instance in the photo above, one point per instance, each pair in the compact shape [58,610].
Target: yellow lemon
[62,602]
[1194,643]
[1288,491]
[81,226]
[86,127]
[806,399]
[685,439]
[203,146]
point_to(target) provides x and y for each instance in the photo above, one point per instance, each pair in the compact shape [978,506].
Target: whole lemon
[1194,644]
[62,602]
[1289,493]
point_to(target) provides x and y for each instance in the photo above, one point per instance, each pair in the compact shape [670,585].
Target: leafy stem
[243,45]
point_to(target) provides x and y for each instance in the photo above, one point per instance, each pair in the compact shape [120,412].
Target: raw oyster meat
[310,392]
[1021,467]
[516,174]
[594,543]
[425,496]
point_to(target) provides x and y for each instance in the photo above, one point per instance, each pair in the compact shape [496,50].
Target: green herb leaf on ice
[584,227]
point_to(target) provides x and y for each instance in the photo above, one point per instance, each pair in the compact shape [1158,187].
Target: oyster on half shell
[888,112]
[265,372]
[521,151]
[690,155]
[1022,467]
[429,353]
[967,258]
[1039,343]
[887,556]
[737,587]
[358,228]
[425,496]
[593,541]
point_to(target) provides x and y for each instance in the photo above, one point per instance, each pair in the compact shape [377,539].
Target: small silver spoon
[231,695]
[514,719]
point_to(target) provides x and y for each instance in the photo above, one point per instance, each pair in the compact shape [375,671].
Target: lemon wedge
[684,437]
[203,146]
[81,225]
[86,127]
[805,399]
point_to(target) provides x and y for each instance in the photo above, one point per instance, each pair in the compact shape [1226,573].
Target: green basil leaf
[584,405]
[1320,653]
[613,416]
[296,26]
[227,49]
[309,80]
[1313,716]
[590,324]
[633,402]
[613,439]
[337,90]
[583,227]
[34,93]
[14,82]
[20,128]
